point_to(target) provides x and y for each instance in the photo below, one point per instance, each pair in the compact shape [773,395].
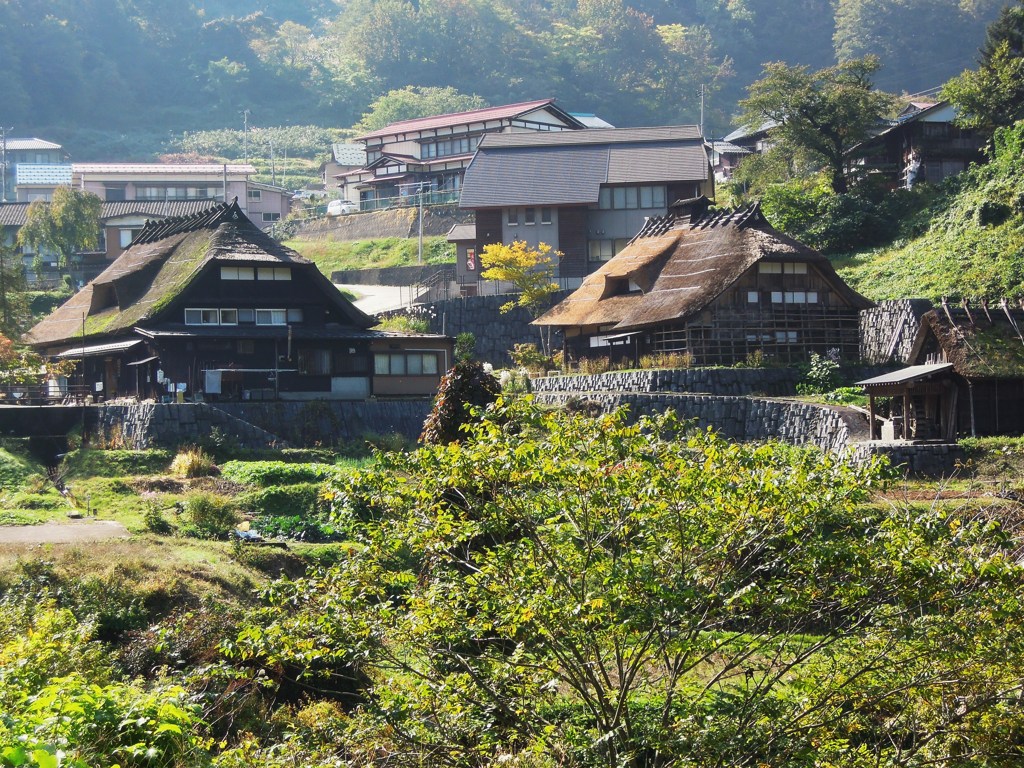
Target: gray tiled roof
[13,214]
[527,171]
[591,136]
[161,208]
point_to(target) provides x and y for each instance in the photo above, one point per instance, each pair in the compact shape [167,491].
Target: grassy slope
[331,256]
[974,246]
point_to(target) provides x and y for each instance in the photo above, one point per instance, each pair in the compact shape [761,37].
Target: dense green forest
[125,78]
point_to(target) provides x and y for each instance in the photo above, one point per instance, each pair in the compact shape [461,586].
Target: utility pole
[3,162]
[419,258]
[702,110]
[245,134]
[273,167]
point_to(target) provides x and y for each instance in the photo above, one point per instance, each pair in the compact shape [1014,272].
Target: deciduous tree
[68,224]
[824,113]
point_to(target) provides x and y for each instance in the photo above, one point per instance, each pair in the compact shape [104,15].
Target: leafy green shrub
[88,462]
[299,527]
[530,357]
[822,375]
[294,499]
[268,473]
[465,345]
[192,462]
[208,516]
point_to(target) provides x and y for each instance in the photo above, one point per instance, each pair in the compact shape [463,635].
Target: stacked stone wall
[887,332]
[392,222]
[253,425]
[394,275]
[736,418]
[496,332]
[714,381]
[931,460]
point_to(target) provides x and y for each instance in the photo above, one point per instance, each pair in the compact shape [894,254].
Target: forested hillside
[122,78]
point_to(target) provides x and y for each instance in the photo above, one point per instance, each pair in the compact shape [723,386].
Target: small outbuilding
[966,377]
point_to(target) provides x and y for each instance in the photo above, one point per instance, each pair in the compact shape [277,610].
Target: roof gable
[682,263]
[470,117]
[163,260]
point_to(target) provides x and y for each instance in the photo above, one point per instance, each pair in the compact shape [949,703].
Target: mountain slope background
[125,78]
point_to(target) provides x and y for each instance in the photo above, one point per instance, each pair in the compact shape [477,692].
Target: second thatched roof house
[719,286]
[209,304]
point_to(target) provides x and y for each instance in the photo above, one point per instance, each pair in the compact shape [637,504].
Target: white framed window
[530,216]
[270,216]
[545,215]
[271,317]
[647,196]
[247,315]
[274,273]
[600,250]
[229,317]
[512,218]
[202,316]
[255,194]
[405,364]
[237,273]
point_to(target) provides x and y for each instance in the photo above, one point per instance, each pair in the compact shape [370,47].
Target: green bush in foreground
[561,590]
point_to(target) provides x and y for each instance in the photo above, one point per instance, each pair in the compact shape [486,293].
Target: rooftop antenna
[245,134]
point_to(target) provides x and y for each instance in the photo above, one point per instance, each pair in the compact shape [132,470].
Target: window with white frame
[202,316]
[545,215]
[254,194]
[529,216]
[627,198]
[273,273]
[270,216]
[405,364]
[229,317]
[512,217]
[237,273]
[271,317]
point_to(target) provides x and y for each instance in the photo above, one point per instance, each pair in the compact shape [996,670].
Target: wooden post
[871,417]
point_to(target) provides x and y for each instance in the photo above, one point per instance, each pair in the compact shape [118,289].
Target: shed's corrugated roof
[681,269]
[906,375]
[553,169]
[43,173]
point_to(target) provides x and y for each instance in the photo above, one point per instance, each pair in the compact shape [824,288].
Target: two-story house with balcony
[20,155]
[585,192]
[431,154]
[171,182]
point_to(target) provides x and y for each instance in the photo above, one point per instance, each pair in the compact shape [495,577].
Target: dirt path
[72,532]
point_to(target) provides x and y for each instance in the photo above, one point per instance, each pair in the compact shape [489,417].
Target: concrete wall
[147,425]
[393,275]
[887,332]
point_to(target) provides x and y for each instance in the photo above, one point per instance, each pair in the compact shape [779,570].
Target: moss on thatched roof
[682,263]
[160,264]
[980,344]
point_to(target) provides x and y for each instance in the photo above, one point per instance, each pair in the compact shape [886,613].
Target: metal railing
[43,394]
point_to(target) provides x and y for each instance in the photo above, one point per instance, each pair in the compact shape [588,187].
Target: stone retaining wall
[714,381]
[253,425]
[393,222]
[496,333]
[929,460]
[393,275]
[887,332]
[147,425]
[738,418]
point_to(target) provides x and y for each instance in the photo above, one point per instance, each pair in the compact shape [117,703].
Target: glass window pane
[545,215]
[246,315]
[530,215]
[430,365]
[619,198]
[659,197]
[415,364]
[646,197]
[193,317]
[397,365]
[229,317]
[294,315]
[282,273]
[265,273]
[513,217]
[381,365]
[229,273]
[631,197]
[604,199]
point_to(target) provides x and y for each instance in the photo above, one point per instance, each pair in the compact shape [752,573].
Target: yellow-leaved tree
[531,271]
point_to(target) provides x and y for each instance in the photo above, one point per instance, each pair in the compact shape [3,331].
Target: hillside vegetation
[973,244]
[331,256]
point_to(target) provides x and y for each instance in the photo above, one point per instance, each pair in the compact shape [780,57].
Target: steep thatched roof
[161,262]
[681,263]
[980,342]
